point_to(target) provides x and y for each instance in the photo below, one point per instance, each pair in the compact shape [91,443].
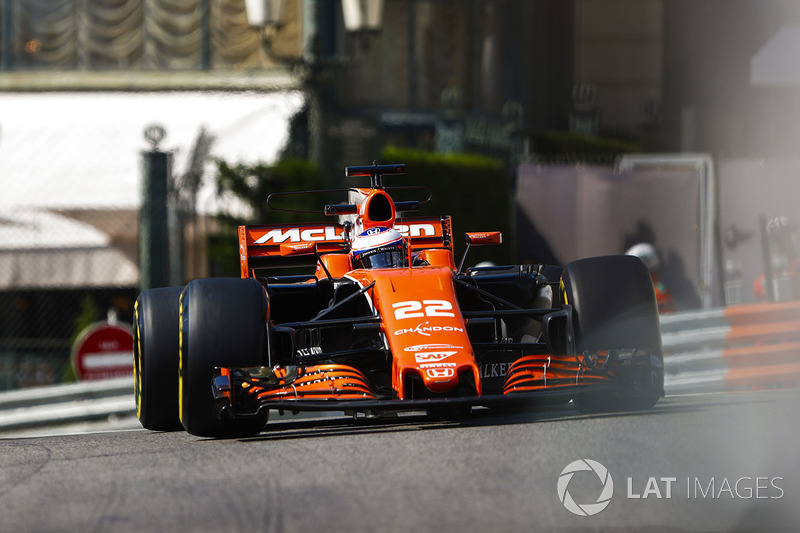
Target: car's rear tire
[614,308]
[222,323]
[155,358]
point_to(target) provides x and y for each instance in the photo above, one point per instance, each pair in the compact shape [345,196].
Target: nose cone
[440,366]
[424,329]
[437,365]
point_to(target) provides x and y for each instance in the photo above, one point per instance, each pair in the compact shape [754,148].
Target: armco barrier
[734,348]
[62,404]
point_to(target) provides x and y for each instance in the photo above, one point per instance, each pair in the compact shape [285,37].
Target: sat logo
[432,357]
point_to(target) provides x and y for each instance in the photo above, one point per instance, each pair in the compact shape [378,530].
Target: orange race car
[389,322]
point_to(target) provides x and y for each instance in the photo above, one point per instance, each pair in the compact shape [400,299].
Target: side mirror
[485,238]
[341,209]
[480,239]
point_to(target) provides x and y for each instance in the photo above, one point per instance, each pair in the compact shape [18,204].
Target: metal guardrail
[751,346]
[689,361]
[38,407]
[733,348]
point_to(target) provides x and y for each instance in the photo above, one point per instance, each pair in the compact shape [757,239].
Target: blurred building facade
[731,79]
[677,74]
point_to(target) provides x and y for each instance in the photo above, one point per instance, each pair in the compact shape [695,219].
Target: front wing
[248,392]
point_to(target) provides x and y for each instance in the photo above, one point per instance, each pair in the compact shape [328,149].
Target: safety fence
[733,348]
[741,347]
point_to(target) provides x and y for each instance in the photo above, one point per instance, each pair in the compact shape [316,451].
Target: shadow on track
[480,417]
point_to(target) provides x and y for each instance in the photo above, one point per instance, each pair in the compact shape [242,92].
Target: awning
[83,150]
[70,268]
[42,249]
[70,173]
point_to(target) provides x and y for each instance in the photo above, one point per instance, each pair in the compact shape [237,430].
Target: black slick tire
[155,358]
[614,307]
[222,323]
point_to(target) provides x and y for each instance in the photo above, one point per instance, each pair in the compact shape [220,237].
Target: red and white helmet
[378,247]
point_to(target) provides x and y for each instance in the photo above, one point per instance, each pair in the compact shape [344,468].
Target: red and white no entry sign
[103,351]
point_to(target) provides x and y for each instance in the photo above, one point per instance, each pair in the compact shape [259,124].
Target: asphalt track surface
[490,472]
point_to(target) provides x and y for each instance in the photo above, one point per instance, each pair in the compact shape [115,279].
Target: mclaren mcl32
[386,321]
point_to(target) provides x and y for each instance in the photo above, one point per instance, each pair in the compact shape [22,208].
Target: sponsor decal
[416,230]
[425,329]
[437,365]
[306,352]
[334,233]
[373,231]
[431,347]
[493,370]
[440,373]
[278,235]
[432,357]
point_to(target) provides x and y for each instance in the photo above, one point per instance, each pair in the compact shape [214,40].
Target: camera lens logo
[586,509]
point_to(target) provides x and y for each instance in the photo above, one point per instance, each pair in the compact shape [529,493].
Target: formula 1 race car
[388,322]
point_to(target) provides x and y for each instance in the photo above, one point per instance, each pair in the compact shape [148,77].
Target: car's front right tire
[614,308]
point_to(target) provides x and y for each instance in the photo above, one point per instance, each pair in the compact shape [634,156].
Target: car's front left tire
[222,324]
[155,358]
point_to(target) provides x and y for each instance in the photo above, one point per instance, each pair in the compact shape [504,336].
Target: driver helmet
[378,247]
[647,253]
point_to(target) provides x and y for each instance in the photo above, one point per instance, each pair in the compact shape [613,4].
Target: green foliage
[471,188]
[465,162]
[221,252]
[89,314]
[252,184]
[561,146]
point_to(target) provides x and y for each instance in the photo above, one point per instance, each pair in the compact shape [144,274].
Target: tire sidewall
[155,327]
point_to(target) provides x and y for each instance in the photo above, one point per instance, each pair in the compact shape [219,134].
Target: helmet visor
[382,257]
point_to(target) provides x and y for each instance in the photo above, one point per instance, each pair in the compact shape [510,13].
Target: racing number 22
[417,309]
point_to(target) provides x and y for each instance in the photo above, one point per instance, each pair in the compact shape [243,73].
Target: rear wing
[428,232]
[260,245]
